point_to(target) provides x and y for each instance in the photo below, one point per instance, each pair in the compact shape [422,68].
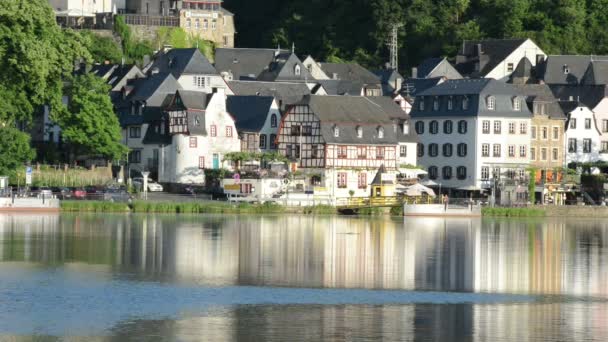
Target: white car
[152,185]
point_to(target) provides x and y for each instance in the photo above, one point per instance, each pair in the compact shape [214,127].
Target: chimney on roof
[334,76]
[414,72]
[478,52]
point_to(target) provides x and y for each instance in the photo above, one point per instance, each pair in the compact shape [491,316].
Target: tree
[35,56]
[15,150]
[90,122]
[102,48]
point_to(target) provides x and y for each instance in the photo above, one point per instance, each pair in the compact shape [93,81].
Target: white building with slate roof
[473,134]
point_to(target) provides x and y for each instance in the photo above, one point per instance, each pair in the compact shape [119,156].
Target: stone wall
[143,32]
[575,211]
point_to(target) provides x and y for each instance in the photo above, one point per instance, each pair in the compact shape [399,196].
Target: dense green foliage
[358,29]
[35,55]
[94,206]
[102,48]
[134,50]
[512,212]
[90,123]
[15,150]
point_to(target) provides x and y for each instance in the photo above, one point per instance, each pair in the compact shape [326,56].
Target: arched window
[273,120]
[432,172]
[491,102]
[434,127]
[462,126]
[359,132]
[263,141]
[516,104]
[447,127]
[273,141]
[447,172]
[462,150]
[297,70]
[465,103]
[380,132]
[205,24]
[461,172]
[420,150]
[447,150]
[197,24]
[433,150]
[188,23]
[419,126]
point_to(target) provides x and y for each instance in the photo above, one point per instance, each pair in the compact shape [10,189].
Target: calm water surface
[301,278]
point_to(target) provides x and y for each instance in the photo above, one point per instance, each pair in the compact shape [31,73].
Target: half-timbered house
[257,121]
[340,142]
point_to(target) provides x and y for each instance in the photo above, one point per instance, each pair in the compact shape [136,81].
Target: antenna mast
[393,46]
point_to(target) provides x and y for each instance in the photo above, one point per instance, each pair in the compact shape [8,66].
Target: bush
[93,206]
[512,212]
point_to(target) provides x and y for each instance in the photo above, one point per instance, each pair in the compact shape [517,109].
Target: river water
[301,278]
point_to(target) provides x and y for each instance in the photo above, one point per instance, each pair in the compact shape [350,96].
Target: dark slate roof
[395,112]
[282,69]
[387,75]
[428,65]
[413,86]
[568,106]
[249,112]
[590,95]
[153,135]
[350,72]
[194,99]
[287,93]
[597,73]
[341,87]
[590,70]
[348,113]
[183,61]
[476,90]
[494,51]
[244,64]
[378,177]
[541,93]
[523,70]
[470,87]
[154,88]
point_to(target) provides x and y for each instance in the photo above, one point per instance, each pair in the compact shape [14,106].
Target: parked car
[44,192]
[79,193]
[62,192]
[93,193]
[117,195]
[152,185]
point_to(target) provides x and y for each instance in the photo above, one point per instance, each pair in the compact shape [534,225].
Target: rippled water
[301,278]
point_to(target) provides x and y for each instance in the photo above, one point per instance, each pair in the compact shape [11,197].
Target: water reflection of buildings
[543,257]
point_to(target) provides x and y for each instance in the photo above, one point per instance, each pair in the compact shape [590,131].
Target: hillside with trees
[358,29]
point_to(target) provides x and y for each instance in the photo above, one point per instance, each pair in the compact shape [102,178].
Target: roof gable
[493,52]
[183,61]
[350,72]
[245,63]
[249,112]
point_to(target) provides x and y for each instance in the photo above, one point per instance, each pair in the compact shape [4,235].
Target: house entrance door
[216,161]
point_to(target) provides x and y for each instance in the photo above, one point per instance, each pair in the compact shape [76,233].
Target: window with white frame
[359,132]
[362,180]
[523,128]
[342,152]
[447,150]
[511,127]
[213,130]
[485,124]
[420,150]
[532,153]
[485,150]
[403,151]
[213,24]
[496,150]
[544,133]
[572,145]
[586,145]
[522,150]
[197,24]
[434,127]
[379,152]
[199,81]
[572,123]
[432,170]
[516,104]
[587,123]
[205,24]
[380,132]
[336,131]
[435,103]
[201,162]
[342,179]
[533,132]
[511,151]
[297,70]
[497,127]
[555,154]
[229,131]
[555,132]
[421,103]
[604,126]
[461,172]
[447,127]
[465,103]
[491,102]
[433,150]
[263,141]
[450,103]
[193,142]
[462,127]
[462,150]
[419,127]
[273,120]
[510,67]
[447,172]
[543,154]
[485,173]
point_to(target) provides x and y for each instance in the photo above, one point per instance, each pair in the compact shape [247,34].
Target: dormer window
[297,70]
[421,103]
[406,128]
[566,69]
[359,132]
[380,132]
[435,104]
[465,103]
[336,132]
[516,104]
[491,102]
[450,103]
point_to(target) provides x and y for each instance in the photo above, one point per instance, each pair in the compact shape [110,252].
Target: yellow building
[208,20]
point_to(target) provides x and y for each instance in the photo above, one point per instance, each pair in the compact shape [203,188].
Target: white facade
[314,69]
[504,69]
[601,119]
[189,155]
[485,149]
[86,7]
[203,83]
[271,127]
[582,138]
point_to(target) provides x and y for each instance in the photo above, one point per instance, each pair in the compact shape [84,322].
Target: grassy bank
[192,208]
[513,212]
